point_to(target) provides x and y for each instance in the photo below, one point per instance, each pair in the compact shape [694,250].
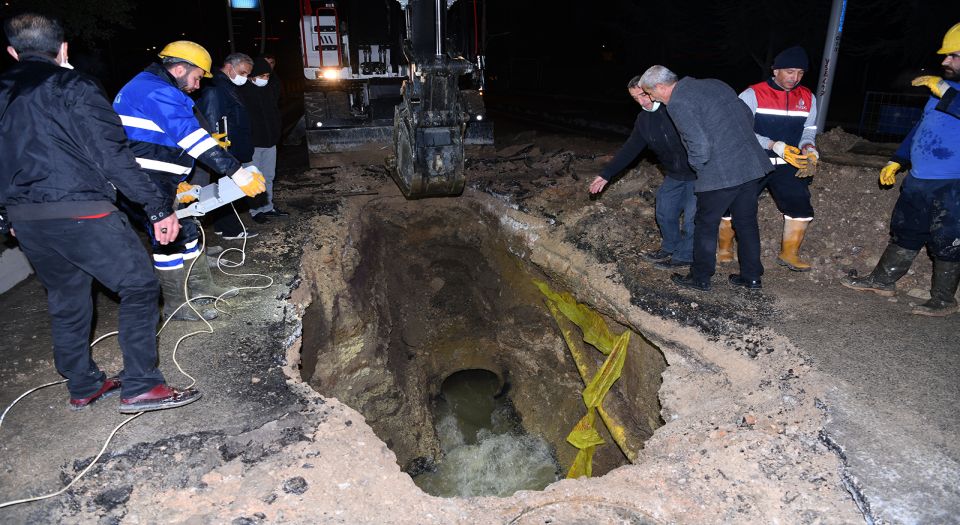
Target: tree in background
[87,23]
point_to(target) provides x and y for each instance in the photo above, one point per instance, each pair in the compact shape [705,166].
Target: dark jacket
[164,133]
[262,105]
[222,98]
[717,129]
[64,150]
[654,130]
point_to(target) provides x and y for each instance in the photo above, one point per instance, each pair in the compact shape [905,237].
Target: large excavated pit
[432,328]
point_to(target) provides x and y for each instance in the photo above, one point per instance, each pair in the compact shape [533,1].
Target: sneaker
[109,387]
[276,212]
[688,281]
[260,218]
[656,256]
[671,264]
[160,397]
[249,234]
[751,284]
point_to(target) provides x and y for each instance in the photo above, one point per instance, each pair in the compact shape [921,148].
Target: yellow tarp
[584,435]
[594,328]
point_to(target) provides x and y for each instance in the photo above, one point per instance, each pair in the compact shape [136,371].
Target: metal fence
[888,117]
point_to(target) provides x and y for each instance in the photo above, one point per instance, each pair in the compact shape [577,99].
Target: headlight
[479,117]
[331,74]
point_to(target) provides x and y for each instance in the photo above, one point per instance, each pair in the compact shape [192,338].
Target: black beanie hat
[793,57]
[260,67]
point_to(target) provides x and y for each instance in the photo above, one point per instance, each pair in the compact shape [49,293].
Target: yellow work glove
[937,85]
[791,154]
[813,159]
[888,174]
[184,187]
[221,139]
[251,181]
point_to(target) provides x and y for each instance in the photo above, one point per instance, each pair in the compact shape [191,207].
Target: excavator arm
[430,123]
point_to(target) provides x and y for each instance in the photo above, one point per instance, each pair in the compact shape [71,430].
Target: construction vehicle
[388,76]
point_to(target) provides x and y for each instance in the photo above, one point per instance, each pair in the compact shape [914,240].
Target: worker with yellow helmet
[166,139]
[927,212]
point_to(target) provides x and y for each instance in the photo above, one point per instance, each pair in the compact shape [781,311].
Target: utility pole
[233,45]
[263,27]
[829,64]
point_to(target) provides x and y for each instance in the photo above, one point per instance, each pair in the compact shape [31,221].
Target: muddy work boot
[201,281]
[793,232]
[171,283]
[943,290]
[725,241]
[893,264]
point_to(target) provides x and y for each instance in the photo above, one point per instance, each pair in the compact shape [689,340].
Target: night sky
[550,47]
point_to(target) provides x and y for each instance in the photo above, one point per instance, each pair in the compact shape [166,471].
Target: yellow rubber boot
[793,232]
[725,241]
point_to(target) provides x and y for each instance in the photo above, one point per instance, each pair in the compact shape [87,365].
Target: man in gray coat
[717,129]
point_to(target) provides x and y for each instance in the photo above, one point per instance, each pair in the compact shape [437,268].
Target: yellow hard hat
[951,41]
[191,52]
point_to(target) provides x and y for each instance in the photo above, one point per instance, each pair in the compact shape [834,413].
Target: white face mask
[239,80]
[656,106]
[260,82]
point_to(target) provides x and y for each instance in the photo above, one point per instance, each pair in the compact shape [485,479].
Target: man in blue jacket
[675,198]
[927,212]
[65,156]
[167,138]
[717,129]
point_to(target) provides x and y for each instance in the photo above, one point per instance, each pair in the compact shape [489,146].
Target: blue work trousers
[789,192]
[927,213]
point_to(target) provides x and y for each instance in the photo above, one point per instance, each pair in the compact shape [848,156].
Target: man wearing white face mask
[262,104]
[220,103]
[653,129]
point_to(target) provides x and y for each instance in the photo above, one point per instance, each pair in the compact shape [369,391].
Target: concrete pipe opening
[440,338]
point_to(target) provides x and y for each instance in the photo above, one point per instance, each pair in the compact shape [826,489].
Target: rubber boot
[725,241]
[943,290]
[793,232]
[201,281]
[893,264]
[171,283]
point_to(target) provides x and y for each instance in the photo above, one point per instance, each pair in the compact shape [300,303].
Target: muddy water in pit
[431,289]
[486,451]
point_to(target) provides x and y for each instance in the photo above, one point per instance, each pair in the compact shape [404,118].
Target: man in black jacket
[262,103]
[65,155]
[220,103]
[717,130]
[654,129]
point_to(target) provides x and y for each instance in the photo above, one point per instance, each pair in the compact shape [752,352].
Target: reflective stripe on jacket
[165,135]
